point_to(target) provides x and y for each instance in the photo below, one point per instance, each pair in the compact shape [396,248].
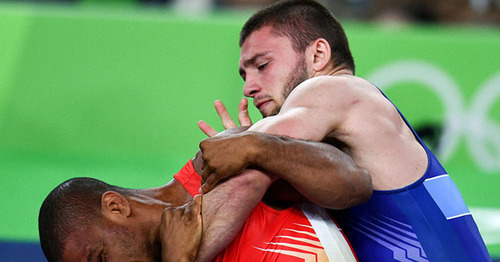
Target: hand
[227,121]
[225,155]
[198,162]
[180,231]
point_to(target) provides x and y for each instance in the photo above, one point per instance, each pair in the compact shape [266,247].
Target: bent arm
[224,211]
[317,110]
[320,172]
[226,208]
[324,174]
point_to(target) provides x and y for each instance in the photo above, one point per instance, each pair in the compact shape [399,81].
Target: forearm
[226,208]
[320,172]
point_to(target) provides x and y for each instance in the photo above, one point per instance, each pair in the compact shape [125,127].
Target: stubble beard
[297,75]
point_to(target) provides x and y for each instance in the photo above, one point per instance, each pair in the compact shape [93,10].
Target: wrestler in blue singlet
[425,221]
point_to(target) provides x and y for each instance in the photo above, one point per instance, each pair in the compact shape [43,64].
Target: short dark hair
[75,203]
[303,22]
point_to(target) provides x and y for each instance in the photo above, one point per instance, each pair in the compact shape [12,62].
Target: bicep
[306,123]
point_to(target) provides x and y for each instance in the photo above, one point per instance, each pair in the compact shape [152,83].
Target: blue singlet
[425,221]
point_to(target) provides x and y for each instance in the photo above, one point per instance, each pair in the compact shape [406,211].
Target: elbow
[365,188]
[362,189]
[356,191]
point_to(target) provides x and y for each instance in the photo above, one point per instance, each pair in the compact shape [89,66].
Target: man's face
[271,69]
[107,245]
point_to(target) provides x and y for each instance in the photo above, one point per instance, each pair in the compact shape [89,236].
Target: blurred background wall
[114,89]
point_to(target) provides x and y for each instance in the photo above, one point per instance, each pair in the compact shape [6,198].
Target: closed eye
[261,67]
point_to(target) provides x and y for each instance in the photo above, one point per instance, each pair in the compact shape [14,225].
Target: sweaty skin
[312,160]
[333,106]
[222,206]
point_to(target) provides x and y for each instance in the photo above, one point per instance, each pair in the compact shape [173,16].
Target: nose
[251,87]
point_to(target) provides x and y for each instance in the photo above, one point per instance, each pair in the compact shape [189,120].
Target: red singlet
[303,232]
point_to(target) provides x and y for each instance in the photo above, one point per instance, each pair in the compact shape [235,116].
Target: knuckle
[167,213]
[178,211]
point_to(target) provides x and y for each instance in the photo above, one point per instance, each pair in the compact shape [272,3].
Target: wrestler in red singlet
[303,232]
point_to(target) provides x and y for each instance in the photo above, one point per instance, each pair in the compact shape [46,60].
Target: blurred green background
[115,94]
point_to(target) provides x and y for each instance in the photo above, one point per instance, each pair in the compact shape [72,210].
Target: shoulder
[338,102]
[332,82]
[331,91]
[177,193]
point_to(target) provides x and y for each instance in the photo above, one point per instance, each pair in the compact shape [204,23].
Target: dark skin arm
[320,172]
[280,194]
[239,195]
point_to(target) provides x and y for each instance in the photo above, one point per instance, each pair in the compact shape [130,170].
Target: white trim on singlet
[333,241]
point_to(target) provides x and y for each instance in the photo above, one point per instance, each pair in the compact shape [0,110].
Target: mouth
[261,103]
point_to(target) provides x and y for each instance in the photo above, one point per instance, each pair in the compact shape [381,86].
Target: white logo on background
[482,134]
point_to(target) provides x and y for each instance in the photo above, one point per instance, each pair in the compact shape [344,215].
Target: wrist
[254,144]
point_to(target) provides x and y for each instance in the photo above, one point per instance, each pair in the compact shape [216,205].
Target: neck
[148,205]
[153,201]
[341,71]
[334,71]
[152,196]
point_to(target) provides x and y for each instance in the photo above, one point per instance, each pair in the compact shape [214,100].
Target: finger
[209,184]
[205,174]
[226,119]
[206,128]
[198,200]
[196,205]
[243,116]
[197,162]
[166,218]
[179,211]
[186,208]
[201,145]
[167,214]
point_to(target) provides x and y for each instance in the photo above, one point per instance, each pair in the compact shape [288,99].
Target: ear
[319,54]
[115,206]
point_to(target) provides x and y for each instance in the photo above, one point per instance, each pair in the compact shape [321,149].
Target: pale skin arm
[241,193]
[225,210]
[320,172]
